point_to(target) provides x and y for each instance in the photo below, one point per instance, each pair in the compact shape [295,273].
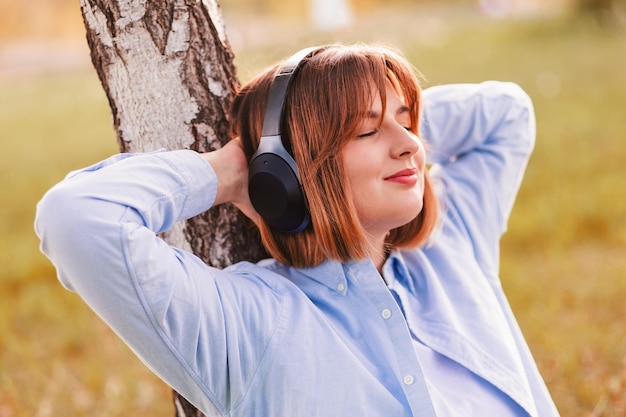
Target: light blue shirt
[437,337]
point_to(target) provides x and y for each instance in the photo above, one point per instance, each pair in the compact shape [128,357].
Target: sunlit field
[563,258]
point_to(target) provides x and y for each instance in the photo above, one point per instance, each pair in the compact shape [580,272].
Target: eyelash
[368,134]
[373,132]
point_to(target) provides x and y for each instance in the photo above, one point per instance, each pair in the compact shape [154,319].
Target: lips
[404,173]
[405,176]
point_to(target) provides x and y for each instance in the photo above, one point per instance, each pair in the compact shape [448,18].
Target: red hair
[325,105]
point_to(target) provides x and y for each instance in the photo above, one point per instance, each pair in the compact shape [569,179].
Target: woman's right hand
[231,166]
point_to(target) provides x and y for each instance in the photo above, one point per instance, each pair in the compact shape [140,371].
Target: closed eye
[368,134]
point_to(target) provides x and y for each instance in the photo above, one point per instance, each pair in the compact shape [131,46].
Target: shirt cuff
[199,177]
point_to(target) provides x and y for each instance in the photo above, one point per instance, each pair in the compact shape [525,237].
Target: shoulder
[270,272]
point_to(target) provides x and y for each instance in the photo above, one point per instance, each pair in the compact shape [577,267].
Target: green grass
[563,262]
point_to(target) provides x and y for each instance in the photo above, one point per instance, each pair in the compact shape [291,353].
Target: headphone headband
[278,91]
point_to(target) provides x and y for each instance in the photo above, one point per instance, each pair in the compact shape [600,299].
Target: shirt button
[409,380]
[386,313]
[341,287]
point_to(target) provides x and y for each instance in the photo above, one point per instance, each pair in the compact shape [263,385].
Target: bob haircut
[324,107]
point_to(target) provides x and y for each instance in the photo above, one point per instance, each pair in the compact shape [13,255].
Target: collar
[335,274]
[395,269]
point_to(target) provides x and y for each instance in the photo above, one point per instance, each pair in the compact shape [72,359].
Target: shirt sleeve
[480,137]
[183,319]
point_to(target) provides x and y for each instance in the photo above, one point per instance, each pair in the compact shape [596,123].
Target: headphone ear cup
[276,194]
[273,181]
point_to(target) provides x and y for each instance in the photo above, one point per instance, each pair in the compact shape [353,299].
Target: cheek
[358,178]
[359,159]
[361,169]
[357,188]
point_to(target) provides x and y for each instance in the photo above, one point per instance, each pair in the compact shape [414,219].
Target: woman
[386,303]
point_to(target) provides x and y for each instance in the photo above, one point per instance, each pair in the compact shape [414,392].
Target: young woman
[386,303]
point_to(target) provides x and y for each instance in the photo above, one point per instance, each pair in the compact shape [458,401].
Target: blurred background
[563,258]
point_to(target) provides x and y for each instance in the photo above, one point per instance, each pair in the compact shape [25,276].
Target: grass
[562,259]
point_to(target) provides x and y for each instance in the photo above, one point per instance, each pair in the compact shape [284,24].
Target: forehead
[391,99]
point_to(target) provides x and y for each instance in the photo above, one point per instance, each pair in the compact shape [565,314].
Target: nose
[406,143]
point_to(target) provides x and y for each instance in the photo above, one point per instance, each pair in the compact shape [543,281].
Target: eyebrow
[402,109]
[371,114]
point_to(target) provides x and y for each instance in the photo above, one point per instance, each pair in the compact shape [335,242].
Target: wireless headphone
[273,182]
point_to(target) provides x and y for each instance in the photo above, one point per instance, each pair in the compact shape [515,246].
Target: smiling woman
[344,88]
[385,170]
[354,315]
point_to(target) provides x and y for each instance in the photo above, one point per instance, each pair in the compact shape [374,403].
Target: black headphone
[273,182]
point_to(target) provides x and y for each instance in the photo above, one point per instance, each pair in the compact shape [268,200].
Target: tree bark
[167,70]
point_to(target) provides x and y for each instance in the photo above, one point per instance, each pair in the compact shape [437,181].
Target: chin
[404,219]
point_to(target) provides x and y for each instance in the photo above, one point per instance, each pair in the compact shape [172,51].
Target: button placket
[389,307]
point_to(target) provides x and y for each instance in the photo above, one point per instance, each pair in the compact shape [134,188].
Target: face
[385,164]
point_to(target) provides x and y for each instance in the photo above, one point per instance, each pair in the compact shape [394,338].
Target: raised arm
[480,138]
[99,229]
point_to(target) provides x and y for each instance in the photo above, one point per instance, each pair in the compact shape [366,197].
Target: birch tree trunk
[167,69]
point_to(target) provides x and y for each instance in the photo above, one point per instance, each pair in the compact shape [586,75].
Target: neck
[378,253]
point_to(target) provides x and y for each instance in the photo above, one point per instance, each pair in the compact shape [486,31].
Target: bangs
[345,82]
